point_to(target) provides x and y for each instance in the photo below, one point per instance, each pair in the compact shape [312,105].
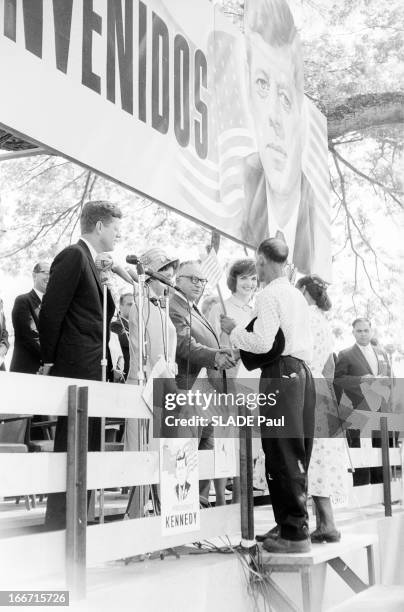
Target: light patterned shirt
[278,305]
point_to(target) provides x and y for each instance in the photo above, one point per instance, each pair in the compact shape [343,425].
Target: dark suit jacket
[311,232]
[350,367]
[70,320]
[199,344]
[26,354]
[3,335]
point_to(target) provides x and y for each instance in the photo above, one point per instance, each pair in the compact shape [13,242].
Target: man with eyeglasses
[198,346]
[25,314]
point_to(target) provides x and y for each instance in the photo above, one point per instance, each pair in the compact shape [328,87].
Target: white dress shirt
[278,305]
[371,357]
[39,294]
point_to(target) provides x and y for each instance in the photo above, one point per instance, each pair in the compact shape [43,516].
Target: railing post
[82,495]
[71,493]
[246,487]
[76,491]
[386,465]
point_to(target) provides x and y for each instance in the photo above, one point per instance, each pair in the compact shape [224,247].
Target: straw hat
[156,259]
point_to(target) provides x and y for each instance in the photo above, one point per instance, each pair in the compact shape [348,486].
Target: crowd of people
[280,328]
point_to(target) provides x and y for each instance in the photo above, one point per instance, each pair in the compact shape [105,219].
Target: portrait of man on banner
[279,197]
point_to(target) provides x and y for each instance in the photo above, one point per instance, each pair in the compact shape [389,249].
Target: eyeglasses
[43,272]
[195,280]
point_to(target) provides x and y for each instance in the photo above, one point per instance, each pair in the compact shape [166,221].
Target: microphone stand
[167,314]
[141,376]
[104,363]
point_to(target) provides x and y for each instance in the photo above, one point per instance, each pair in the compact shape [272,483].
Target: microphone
[105,264]
[135,260]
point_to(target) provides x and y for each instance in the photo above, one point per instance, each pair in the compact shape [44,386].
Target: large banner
[170,99]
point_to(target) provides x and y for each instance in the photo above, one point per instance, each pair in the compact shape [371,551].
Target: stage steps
[380,597]
[312,567]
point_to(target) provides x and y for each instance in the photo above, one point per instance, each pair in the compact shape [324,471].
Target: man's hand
[45,369]
[3,350]
[227,323]
[224,359]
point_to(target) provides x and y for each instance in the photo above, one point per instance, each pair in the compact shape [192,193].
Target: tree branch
[365,176]
[350,219]
[363,111]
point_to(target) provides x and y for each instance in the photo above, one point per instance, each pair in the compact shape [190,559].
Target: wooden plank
[372,457]
[32,394]
[46,472]
[348,575]
[395,421]
[320,553]
[369,495]
[43,554]
[126,538]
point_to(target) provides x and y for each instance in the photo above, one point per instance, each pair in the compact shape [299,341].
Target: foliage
[354,55]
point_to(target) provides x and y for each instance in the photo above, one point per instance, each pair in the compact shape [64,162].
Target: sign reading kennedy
[179,486]
[168,98]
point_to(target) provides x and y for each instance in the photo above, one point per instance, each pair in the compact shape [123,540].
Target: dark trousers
[287,456]
[56,506]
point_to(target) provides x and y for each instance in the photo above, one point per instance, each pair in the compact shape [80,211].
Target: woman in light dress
[328,476]
[242,282]
[154,321]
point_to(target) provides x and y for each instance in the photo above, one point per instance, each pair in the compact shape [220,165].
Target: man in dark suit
[4,344]
[71,321]
[355,366]
[25,317]
[197,344]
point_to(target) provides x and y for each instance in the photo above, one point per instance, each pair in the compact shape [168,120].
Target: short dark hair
[36,269]
[123,296]
[238,268]
[317,289]
[361,320]
[274,249]
[98,211]
[273,21]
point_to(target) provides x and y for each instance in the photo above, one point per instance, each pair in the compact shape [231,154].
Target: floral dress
[328,470]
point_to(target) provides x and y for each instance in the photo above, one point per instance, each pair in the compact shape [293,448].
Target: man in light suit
[354,366]
[279,201]
[71,322]
[197,344]
[25,317]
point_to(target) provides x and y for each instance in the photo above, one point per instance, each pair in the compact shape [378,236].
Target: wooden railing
[22,474]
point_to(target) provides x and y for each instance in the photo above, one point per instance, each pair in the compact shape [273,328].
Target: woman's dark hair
[239,268]
[317,289]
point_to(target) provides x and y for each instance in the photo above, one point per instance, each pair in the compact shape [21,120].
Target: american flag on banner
[315,162]
[211,268]
[216,184]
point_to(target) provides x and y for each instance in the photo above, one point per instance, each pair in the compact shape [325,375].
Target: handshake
[226,358]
